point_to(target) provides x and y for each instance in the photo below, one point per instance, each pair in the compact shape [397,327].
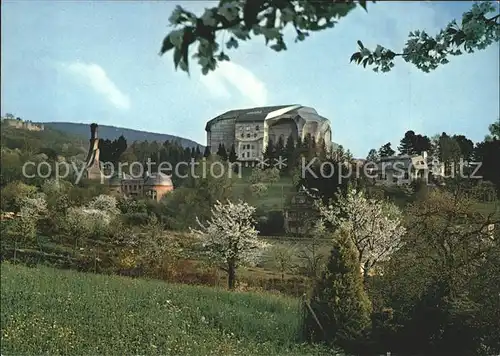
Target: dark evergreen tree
[110,151]
[206,153]
[487,154]
[421,144]
[198,153]
[280,148]
[372,156]
[221,152]
[270,152]
[407,143]
[325,182]
[466,146]
[289,148]
[232,155]
[321,151]
[412,144]
[386,150]
[339,300]
[449,152]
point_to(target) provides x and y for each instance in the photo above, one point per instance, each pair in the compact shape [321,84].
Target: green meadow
[56,312]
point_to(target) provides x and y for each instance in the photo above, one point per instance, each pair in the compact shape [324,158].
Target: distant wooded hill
[112,132]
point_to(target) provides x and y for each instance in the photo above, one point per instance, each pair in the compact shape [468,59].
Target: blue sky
[98,62]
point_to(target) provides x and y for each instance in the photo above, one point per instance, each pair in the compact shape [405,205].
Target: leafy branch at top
[477,31]
[241,19]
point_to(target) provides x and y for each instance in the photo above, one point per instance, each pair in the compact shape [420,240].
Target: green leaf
[185,55]
[365,62]
[360,44]
[390,55]
[240,33]
[177,57]
[287,15]
[232,43]
[355,56]
[271,33]
[223,57]
[166,46]
[300,36]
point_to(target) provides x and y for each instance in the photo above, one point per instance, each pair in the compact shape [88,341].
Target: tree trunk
[366,269]
[231,275]
[15,250]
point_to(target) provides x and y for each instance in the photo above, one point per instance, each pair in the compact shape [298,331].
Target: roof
[249,115]
[119,177]
[406,161]
[158,179]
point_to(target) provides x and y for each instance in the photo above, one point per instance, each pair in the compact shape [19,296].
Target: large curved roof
[266,113]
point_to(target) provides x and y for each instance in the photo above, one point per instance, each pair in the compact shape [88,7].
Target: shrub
[271,224]
[135,218]
[340,306]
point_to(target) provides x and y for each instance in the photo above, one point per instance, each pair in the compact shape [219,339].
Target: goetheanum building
[250,130]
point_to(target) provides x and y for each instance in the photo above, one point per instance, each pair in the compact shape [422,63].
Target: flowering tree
[230,237]
[25,226]
[375,226]
[106,203]
[91,220]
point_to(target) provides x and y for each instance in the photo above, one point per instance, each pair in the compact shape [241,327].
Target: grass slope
[48,311]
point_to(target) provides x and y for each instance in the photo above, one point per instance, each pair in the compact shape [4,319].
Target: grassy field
[47,311]
[273,199]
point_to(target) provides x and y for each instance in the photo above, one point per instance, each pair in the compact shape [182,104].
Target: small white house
[403,169]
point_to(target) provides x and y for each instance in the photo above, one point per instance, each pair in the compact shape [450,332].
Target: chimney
[93,131]
[424,155]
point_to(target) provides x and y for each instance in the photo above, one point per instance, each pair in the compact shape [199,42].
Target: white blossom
[230,235]
[375,226]
[83,221]
[106,203]
[33,207]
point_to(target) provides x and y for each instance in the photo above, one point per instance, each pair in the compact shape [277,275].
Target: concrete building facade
[250,130]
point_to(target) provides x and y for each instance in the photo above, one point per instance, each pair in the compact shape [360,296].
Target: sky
[97,61]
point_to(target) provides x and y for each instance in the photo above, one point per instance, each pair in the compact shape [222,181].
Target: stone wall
[23,125]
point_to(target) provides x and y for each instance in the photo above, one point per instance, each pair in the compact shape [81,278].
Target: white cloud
[95,76]
[229,77]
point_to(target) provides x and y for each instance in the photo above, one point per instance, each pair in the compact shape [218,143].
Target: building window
[254,135]
[248,135]
[257,128]
[252,146]
[242,135]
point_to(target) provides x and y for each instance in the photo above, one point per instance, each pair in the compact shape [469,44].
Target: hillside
[112,132]
[50,139]
[48,311]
